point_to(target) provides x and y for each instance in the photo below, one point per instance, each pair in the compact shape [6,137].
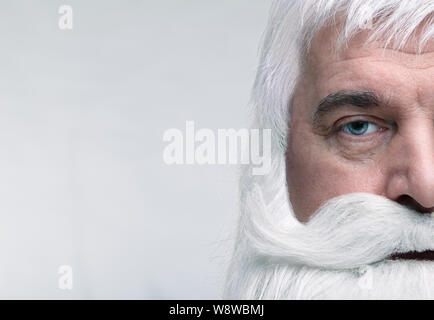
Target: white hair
[342,252]
[286,43]
[292,26]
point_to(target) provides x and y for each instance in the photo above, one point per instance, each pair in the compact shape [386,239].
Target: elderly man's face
[362,121]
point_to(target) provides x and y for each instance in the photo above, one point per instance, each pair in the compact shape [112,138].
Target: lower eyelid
[374,138]
[364,145]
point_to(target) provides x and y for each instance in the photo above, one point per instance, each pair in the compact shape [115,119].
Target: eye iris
[358,127]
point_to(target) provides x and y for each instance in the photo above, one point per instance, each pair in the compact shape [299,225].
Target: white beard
[341,253]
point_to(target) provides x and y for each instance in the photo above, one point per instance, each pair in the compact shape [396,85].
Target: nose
[409,202]
[411,174]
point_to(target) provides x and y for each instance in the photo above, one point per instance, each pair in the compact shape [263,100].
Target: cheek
[315,175]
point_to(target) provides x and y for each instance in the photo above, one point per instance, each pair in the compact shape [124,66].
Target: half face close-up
[347,88]
[362,120]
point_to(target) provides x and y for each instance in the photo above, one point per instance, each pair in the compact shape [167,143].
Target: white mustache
[347,232]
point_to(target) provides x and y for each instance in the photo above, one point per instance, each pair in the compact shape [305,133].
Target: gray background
[82,116]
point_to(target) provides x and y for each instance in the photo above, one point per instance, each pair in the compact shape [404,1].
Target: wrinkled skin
[386,148]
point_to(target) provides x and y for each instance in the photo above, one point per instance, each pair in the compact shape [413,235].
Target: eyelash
[340,125]
[376,132]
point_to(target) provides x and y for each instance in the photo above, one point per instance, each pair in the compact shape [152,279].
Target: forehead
[323,49]
[370,66]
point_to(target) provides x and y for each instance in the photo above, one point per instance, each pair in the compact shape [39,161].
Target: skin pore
[362,120]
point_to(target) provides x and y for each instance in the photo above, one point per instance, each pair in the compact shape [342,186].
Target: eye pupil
[358,127]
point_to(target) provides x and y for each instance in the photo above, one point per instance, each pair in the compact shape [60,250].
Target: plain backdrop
[82,117]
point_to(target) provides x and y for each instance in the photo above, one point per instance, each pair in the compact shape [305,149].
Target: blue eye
[358,128]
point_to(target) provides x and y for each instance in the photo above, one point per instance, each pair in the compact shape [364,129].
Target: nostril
[412,204]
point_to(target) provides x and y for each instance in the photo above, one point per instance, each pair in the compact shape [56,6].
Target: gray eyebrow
[361,99]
